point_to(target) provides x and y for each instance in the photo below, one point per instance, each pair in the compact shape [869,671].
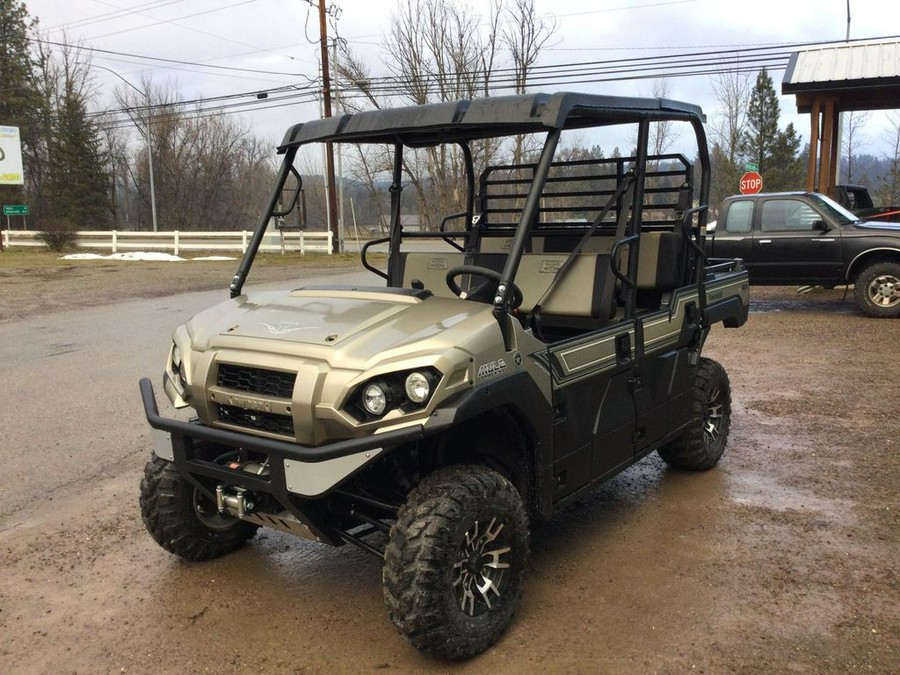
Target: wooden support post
[828,137]
[814,147]
[835,149]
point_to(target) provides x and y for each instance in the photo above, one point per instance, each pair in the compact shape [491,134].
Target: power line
[156,5]
[221,103]
[109,16]
[141,67]
[174,22]
[627,8]
[160,59]
[704,63]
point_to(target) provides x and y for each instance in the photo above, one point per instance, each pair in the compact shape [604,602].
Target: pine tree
[786,169]
[19,101]
[78,185]
[725,176]
[773,150]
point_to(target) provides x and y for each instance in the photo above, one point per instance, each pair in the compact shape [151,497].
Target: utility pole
[342,227]
[329,147]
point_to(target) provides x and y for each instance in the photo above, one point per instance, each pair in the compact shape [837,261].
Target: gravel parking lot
[782,559]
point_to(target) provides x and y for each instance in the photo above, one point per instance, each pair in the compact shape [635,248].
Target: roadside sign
[10,156]
[751,183]
[751,166]
[15,210]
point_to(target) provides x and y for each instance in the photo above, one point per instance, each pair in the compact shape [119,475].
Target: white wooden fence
[115,241]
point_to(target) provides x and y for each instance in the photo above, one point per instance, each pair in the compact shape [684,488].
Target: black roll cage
[463,121]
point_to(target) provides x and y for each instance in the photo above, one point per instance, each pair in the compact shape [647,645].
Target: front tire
[701,446]
[455,562]
[877,290]
[182,519]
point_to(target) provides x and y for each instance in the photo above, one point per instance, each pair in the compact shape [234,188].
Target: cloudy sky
[272,38]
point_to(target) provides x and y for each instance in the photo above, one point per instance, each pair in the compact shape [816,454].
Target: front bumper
[293,451]
[297,475]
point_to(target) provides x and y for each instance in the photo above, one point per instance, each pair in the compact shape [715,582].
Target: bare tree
[442,50]
[852,141]
[115,143]
[663,134]
[524,34]
[732,92]
[439,53]
[889,190]
[367,162]
[210,172]
[353,74]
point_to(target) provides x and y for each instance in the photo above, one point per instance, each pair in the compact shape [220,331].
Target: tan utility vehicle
[544,340]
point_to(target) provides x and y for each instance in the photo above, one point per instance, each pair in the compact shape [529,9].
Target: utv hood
[360,323]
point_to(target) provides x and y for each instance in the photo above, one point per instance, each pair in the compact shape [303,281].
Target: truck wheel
[877,290]
[183,520]
[702,444]
[455,562]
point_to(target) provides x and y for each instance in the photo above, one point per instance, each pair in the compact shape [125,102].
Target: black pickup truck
[806,238]
[856,198]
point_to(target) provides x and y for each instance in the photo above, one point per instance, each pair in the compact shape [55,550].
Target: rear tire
[701,446]
[877,290]
[182,519]
[455,563]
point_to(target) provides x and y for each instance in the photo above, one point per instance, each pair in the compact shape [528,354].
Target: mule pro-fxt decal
[491,368]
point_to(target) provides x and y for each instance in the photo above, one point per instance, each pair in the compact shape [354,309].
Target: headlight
[405,391]
[417,387]
[375,399]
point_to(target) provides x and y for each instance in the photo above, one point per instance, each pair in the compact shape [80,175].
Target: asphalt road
[70,410]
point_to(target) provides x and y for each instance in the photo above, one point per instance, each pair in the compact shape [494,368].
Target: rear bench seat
[430,269]
[578,294]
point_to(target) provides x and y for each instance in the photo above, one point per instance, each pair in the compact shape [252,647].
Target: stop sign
[751,183]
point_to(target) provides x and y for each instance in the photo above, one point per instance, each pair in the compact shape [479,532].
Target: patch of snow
[82,256]
[139,255]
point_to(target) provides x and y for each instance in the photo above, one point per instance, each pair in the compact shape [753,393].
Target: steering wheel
[484,292]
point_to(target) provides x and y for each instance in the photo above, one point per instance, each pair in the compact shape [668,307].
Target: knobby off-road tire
[182,520]
[455,562]
[702,444]
[877,290]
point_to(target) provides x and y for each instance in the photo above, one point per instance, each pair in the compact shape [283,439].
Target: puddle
[753,489]
[819,302]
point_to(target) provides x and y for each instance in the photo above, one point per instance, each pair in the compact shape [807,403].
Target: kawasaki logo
[249,404]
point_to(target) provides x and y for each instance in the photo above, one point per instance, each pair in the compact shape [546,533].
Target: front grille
[256,380]
[261,421]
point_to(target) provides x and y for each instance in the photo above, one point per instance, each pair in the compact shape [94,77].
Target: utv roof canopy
[460,121]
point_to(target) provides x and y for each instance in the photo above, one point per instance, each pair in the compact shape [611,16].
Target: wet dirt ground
[783,559]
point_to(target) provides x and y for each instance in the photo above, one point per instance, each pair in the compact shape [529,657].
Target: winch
[233,500]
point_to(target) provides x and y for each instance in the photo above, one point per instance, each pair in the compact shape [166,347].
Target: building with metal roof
[830,80]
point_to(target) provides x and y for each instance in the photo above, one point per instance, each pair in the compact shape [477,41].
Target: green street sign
[15,210]
[750,166]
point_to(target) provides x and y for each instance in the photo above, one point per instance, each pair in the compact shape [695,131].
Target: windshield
[833,209]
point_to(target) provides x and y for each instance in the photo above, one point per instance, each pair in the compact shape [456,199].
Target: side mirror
[290,194]
[821,226]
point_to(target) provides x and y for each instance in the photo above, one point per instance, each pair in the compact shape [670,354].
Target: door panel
[593,403]
[788,248]
[733,236]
